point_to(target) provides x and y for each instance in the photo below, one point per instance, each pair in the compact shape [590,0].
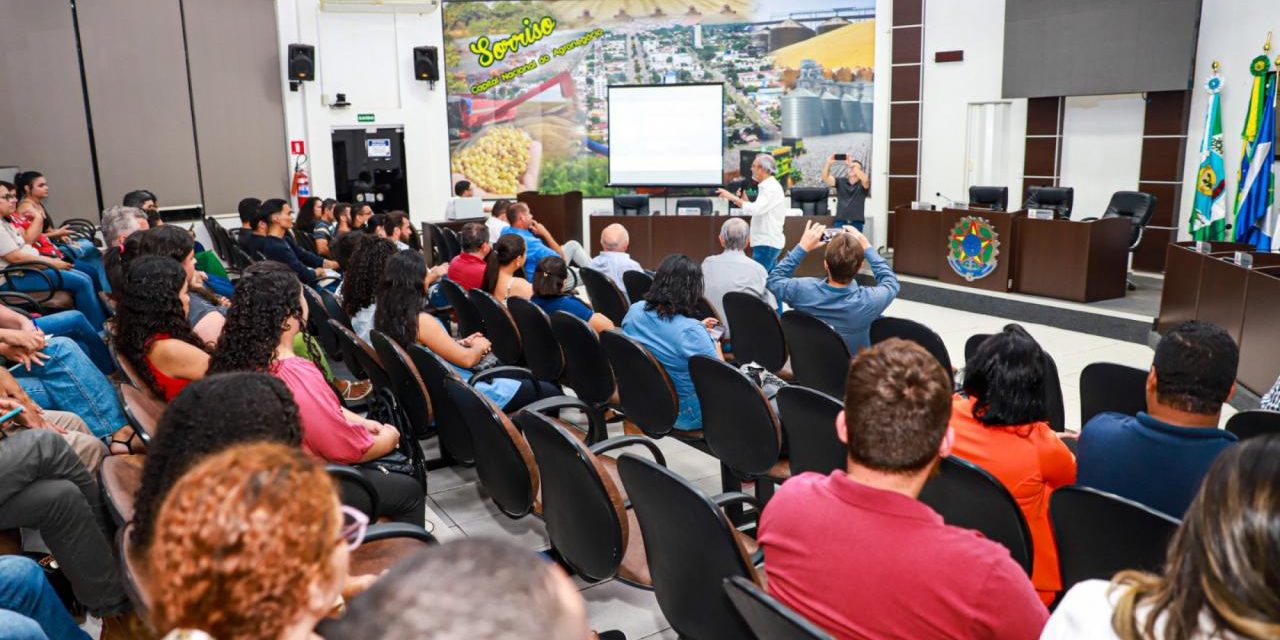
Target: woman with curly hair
[266,315]
[152,333]
[665,322]
[360,282]
[505,260]
[250,544]
[204,311]
[549,294]
[210,415]
[1221,579]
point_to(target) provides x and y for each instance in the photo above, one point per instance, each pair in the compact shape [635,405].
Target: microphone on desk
[950,201]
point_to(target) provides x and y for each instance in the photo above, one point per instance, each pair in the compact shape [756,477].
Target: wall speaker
[426,64]
[302,62]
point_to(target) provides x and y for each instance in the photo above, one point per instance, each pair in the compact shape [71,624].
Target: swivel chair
[1059,199]
[810,200]
[996,198]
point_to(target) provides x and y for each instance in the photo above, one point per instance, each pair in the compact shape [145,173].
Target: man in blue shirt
[278,246]
[848,307]
[538,242]
[1159,457]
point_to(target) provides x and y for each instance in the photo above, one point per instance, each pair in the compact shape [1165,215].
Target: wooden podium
[916,248]
[1082,261]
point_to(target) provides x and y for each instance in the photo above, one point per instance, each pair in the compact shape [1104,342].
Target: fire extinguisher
[301,187]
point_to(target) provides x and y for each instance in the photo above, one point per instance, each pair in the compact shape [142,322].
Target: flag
[1209,213]
[1254,193]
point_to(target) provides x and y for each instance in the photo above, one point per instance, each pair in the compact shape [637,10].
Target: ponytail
[506,250]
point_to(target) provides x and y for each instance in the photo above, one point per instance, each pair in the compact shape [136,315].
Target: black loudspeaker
[302,62]
[426,64]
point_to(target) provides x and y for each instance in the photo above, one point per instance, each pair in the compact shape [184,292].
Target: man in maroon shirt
[467,269]
[859,555]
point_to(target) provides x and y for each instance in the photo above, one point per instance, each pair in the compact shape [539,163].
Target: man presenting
[851,191]
[767,213]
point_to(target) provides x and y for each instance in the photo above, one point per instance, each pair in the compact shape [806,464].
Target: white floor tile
[440,480]
[527,532]
[465,504]
[633,611]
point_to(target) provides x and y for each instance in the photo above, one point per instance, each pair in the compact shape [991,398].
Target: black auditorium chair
[142,408]
[1253,424]
[819,356]
[586,365]
[768,618]
[468,316]
[1106,386]
[644,390]
[354,489]
[542,353]
[1137,207]
[812,201]
[333,307]
[1059,199]
[455,439]
[499,327]
[692,547]
[1052,383]
[637,284]
[631,205]
[411,392]
[605,295]
[1099,534]
[884,327]
[451,242]
[590,524]
[809,422]
[996,198]
[504,462]
[756,332]
[703,205]
[740,425]
[966,496]
[318,324]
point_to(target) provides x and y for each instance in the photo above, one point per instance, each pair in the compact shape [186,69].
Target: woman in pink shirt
[270,295]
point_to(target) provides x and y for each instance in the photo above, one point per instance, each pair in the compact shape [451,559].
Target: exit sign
[364,117]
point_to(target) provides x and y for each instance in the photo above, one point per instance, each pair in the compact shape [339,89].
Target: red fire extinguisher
[301,187]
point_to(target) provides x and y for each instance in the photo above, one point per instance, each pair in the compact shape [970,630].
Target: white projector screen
[666,135]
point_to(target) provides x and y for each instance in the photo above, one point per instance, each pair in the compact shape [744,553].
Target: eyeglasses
[9,196]
[355,524]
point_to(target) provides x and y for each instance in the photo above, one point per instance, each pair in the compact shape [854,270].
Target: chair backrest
[1099,534]
[142,408]
[541,351]
[586,365]
[645,391]
[692,548]
[499,327]
[703,205]
[809,420]
[437,250]
[756,330]
[355,350]
[354,489]
[410,390]
[811,200]
[1106,386]
[768,618]
[990,197]
[583,509]
[819,356]
[605,295]
[884,328]
[451,242]
[504,462]
[1253,424]
[333,307]
[637,284]
[455,438]
[965,495]
[631,205]
[318,324]
[1060,199]
[305,240]
[1137,206]
[469,319]
[1052,383]
[739,424]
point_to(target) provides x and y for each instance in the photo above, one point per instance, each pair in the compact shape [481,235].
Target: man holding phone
[851,190]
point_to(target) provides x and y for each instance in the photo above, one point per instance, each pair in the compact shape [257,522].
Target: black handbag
[394,462]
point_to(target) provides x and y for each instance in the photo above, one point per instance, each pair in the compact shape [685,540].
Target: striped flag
[1255,217]
[1209,213]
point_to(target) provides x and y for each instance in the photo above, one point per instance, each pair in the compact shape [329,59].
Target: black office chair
[499,327]
[756,332]
[1254,424]
[605,295]
[703,205]
[631,205]
[996,198]
[1099,534]
[810,200]
[819,356]
[1138,207]
[1059,199]
[884,328]
[692,547]
[1106,386]
[809,422]
[739,424]
[1052,383]
[469,319]
[542,353]
[504,461]
[586,365]
[637,284]
[965,495]
[410,390]
[768,618]
[455,439]
[645,392]
[451,242]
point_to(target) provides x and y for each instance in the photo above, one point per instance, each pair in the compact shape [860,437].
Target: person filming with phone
[837,300]
[851,185]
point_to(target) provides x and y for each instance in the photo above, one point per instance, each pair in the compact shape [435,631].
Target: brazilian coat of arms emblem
[973,248]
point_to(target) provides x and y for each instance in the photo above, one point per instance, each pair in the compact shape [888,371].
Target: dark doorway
[369,167]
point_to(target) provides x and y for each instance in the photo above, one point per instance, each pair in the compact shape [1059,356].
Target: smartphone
[716,332]
[828,234]
[10,415]
[842,156]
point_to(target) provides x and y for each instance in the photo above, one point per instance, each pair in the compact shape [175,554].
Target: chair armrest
[51,276]
[1138,240]
[389,530]
[626,441]
[348,473]
[16,300]
[504,371]
[596,429]
[737,497]
[1089,219]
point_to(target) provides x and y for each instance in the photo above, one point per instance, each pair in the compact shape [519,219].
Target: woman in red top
[152,333]
[1002,425]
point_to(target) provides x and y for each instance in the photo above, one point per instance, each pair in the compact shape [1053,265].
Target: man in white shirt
[732,270]
[768,212]
[613,259]
[497,220]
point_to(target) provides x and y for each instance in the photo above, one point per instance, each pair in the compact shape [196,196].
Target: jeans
[68,381]
[768,257]
[80,285]
[856,224]
[24,591]
[44,487]
[15,626]
[72,324]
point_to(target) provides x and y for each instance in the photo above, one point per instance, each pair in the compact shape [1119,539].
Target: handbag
[769,384]
[394,462]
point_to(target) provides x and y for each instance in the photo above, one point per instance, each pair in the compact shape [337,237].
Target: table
[1181,291]
[1002,222]
[1082,261]
[915,233]
[1260,331]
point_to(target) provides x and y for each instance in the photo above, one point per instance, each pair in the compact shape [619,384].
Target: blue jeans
[80,285]
[71,324]
[29,607]
[856,224]
[69,381]
[767,256]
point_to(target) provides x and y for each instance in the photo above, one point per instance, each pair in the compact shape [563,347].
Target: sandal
[127,443]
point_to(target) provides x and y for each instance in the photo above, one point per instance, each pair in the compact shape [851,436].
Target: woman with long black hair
[505,260]
[360,282]
[152,333]
[204,309]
